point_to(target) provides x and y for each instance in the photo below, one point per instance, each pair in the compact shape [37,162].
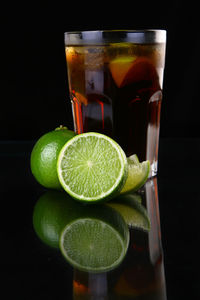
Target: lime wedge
[92,167]
[137,174]
[97,241]
[120,67]
[131,209]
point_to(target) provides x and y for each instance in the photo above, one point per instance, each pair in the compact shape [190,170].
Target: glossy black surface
[31,270]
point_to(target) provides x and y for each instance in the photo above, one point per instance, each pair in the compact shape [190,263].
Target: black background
[34,100]
[34,92]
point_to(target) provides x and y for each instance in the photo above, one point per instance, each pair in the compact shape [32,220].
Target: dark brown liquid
[116,91]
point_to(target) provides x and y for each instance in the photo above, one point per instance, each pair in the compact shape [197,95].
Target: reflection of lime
[51,213]
[92,167]
[96,242]
[137,174]
[44,156]
[133,212]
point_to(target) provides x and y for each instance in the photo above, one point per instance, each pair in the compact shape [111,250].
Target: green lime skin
[53,210]
[44,156]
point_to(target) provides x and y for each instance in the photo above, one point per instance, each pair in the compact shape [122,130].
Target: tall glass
[115,82]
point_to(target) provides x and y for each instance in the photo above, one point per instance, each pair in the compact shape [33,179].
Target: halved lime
[131,209]
[137,174]
[97,241]
[92,167]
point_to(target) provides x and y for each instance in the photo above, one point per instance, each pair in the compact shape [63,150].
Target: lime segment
[92,167]
[120,67]
[137,174]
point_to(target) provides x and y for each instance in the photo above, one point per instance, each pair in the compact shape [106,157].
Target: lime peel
[44,156]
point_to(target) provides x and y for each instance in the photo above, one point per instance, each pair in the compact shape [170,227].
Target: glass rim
[140,36]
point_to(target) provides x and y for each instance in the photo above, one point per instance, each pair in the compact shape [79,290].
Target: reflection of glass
[141,274]
[115,83]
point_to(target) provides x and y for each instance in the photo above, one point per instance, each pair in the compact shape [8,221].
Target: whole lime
[45,154]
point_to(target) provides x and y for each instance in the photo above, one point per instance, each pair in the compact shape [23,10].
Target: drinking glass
[115,84]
